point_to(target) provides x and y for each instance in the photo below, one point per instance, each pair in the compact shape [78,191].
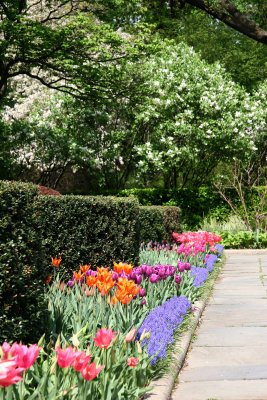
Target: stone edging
[162,387]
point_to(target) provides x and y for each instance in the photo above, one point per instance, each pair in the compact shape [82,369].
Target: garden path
[228,359]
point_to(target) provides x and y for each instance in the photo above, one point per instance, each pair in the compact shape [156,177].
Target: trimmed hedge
[22,310]
[158,222]
[84,229]
[195,203]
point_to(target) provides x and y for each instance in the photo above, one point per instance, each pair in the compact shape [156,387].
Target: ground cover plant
[109,328]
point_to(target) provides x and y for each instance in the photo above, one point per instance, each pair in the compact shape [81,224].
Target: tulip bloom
[142,292]
[132,362]
[130,335]
[56,261]
[90,372]
[65,357]
[9,373]
[25,356]
[104,337]
[81,361]
[178,279]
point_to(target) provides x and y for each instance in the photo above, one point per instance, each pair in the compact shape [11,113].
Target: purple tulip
[138,279]
[187,266]
[178,279]
[154,278]
[115,276]
[144,268]
[142,292]
[70,283]
[181,267]
[149,271]
[143,302]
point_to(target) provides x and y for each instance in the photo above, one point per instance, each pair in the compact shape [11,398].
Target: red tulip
[104,337]
[132,362]
[90,372]
[65,357]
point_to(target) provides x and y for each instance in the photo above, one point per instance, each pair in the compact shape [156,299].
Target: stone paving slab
[230,373]
[257,300]
[234,356]
[232,336]
[223,390]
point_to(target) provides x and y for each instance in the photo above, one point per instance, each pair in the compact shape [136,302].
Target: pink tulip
[178,279]
[130,335]
[81,361]
[65,357]
[104,337]
[5,350]
[25,356]
[9,374]
[132,361]
[90,372]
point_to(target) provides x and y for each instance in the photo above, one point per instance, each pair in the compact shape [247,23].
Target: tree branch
[226,12]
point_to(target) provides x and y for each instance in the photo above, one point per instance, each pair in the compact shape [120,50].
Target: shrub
[158,222]
[22,274]
[83,229]
[244,240]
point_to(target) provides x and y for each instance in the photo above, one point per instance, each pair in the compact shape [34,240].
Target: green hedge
[85,229]
[157,222]
[22,273]
[195,203]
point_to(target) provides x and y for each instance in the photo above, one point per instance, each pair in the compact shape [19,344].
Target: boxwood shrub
[22,274]
[158,222]
[84,229]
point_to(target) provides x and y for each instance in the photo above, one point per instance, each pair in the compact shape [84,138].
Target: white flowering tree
[171,117]
[195,119]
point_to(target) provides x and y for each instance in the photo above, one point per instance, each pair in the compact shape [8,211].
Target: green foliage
[195,203]
[157,222]
[92,230]
[22,271]
[244,240]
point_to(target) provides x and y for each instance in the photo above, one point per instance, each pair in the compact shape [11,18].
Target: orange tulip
[120,267]
[126,291]
[84,268]
[78,276]
[56,261]
[91,280]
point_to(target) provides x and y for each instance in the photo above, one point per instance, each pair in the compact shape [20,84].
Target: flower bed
[108,328]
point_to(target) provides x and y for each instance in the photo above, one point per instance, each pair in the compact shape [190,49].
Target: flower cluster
[153,274]
[159,326]
[79,361]
[104,280]
[15,360]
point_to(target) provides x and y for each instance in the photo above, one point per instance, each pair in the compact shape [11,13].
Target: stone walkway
[228,359]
